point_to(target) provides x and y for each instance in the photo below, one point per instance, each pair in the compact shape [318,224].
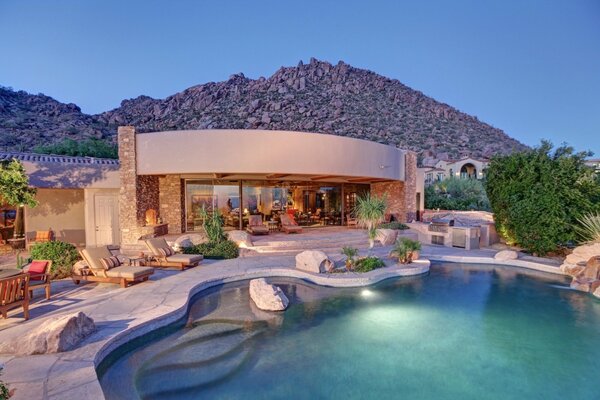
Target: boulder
[386,237]
[506,255]
[267,297]
[592,268]
[241,238]
[314,261]
[188,240]
[597,292]
[581,285]
[580,254]
[54,335]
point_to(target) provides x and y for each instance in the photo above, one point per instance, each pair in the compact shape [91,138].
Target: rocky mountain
[315,97]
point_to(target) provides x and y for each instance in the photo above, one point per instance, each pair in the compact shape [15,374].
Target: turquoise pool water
[460,332]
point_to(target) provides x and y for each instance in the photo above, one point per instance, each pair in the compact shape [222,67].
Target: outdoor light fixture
[366,293]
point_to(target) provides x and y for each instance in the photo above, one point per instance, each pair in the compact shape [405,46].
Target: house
[78,198]
[435,170]
[315,177]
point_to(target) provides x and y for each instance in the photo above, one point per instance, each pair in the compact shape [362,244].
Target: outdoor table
[8,272]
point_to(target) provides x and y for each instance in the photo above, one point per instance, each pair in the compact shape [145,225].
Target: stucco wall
[62,210]
[265,152]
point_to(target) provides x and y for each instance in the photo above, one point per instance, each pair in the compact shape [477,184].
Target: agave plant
[589,228]
[369,212]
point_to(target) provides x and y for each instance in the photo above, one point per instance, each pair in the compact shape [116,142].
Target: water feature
[460,332]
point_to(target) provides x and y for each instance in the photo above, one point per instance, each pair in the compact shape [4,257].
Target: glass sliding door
[214,196]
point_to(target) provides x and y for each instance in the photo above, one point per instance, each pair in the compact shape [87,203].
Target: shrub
[404,250]
[213,225]
[589,228]
[4,392]
[369,211]
[222,250]
[80,148]
[457,194]
[393,225]
[350,253]
[367,264]
[538,195]
[62,254]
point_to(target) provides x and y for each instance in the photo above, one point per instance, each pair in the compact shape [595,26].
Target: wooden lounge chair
[39,276]
[165,257]
[102,267]
[255,226]
[41,237]
[14,292]
[289,224]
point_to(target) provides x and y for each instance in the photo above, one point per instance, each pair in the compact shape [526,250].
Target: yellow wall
[62,210]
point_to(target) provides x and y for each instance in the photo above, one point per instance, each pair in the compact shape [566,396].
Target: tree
[15,191]
[457,194]
[369,211]
[82,148]
[538,195]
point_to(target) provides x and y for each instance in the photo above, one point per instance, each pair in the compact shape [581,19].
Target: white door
[105,215]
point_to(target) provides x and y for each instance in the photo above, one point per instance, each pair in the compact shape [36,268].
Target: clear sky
[531,68]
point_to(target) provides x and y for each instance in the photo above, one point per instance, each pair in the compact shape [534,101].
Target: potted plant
[350,253]
[406,250]
[369,212]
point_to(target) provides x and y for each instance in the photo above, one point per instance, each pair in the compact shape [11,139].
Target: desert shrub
[4,392]
[404,250]
[350,253]
[369,212]
[80,148]
[216,250]
[62,254]
[213,225]
[589,228]
[393,225]
[538,195]
[457,194]
[367,264]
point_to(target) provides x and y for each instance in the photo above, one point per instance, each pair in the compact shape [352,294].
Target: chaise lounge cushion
[93,256]
[129,272]
[185,258]
[155,244]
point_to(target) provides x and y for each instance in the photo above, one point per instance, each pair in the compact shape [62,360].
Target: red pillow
[35,268]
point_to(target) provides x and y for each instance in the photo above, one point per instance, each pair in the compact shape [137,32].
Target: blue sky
[531,68]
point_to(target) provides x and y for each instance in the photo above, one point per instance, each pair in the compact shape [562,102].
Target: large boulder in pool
[506,255]
[241,238]
[267,297]
[314,261]
[54,335]
[386,237]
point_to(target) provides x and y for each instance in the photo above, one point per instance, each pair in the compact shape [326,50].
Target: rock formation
[315,97]
[314,261]
[506,255]
[267,297]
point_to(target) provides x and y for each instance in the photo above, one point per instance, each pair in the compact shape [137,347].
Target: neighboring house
[594,163]
[78,198]
[434,170]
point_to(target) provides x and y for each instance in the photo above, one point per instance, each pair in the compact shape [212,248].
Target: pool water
[460,332]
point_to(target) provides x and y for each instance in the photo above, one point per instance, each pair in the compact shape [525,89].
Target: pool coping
[72,375]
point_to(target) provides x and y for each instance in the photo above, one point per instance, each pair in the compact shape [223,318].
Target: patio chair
[255,226]
[39,276]
[289,225]
[14,292]
[104,267]
[165,257]
[41,237]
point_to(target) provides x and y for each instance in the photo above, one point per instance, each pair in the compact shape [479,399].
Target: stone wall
[401,196]
[171,199]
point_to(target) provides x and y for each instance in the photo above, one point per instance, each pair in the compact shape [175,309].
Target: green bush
[213,225]
[4,392]
[404,250]
[222,250]
[350,253]
[367,264]
[62,254]
[393,225]
[80,148]
[538,195]
[457,194]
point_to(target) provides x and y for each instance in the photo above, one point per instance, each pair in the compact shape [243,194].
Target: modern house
[78,198]
[437,170]
[315,177]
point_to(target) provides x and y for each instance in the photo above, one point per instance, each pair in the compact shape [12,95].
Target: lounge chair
[104,267]
[14,292]
[255,226]
[39,276]
[289,224]
[165,257]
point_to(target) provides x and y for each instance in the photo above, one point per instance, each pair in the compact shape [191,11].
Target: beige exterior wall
[62,210]
[265,152]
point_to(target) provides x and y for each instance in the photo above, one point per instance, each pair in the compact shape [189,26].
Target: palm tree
[369,212]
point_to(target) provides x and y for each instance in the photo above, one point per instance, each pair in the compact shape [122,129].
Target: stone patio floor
[122,314]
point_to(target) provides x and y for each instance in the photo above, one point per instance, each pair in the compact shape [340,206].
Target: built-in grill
[440,225]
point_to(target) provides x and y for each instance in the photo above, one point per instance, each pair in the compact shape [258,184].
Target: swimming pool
[460,332]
